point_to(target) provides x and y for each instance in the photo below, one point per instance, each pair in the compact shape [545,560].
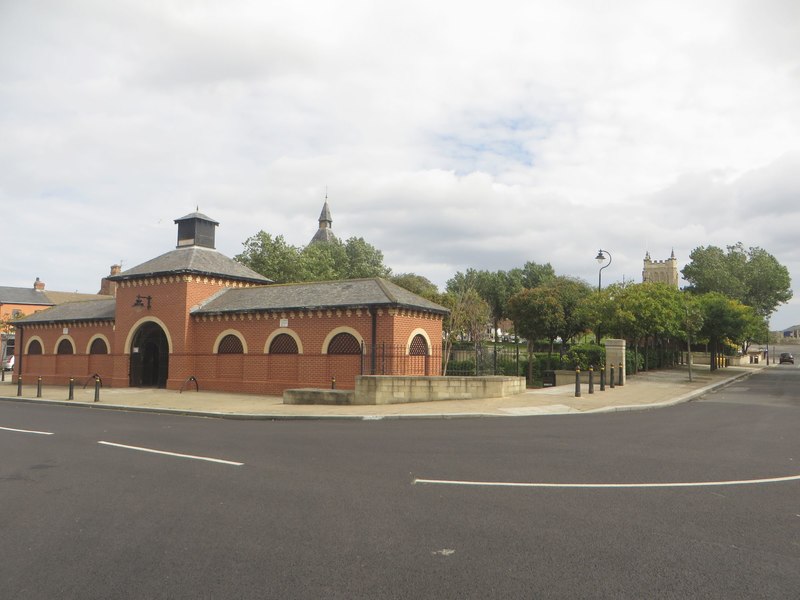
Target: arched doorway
[149,357]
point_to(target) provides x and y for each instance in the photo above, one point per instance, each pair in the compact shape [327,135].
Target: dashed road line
[26,431]
[676,484]
[165,453]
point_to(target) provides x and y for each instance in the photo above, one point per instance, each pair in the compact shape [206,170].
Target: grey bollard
[71,388]
[97,389]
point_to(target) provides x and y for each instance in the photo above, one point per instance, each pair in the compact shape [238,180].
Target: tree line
[727,304]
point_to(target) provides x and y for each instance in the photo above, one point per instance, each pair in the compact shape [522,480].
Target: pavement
[646,390]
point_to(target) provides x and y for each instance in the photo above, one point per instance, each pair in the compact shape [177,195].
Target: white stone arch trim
[337,331]
[233,332]
[290,332]
[36,338]
[61,339]
[415,333]
[135,327]
[98,336]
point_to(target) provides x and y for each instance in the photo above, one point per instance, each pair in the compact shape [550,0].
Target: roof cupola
[196,229]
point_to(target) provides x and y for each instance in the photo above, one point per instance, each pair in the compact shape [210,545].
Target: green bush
[461,367]
[583,356]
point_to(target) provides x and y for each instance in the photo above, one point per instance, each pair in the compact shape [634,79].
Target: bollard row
[71,387]
[612,381]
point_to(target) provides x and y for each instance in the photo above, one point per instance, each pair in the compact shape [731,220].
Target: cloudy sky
[449,134]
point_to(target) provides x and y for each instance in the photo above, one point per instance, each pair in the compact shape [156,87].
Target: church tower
[663,271]
[324,233]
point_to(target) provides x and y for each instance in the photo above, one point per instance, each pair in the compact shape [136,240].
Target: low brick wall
[379,389]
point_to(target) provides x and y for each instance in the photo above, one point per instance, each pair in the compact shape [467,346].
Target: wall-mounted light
[139,304]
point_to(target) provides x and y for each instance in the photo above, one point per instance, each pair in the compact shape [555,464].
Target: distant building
[792,332]
[661,271]
[324,233]
[16,302]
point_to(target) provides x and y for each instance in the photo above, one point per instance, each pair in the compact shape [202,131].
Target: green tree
[468,316]
[363,260]
[283,263]
[571,293]
[724,319]
[533,274]
[418,284]
[752,276]
[537,313]
[271,257]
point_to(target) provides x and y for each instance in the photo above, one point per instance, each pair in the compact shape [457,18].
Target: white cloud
[448,134]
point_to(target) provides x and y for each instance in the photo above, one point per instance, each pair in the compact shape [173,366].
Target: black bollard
[591,380]
[39,387]
[97,389]
[19,385]
[71,388]
[602,379]
[611,377]
[621,373]
[333,382]
[577,383]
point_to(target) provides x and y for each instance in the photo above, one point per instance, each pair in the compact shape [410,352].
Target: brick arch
[63,338]
[32,339]
[333,333]
[228,332]
[290,332]
[97,336]
[424,334]
[135,328]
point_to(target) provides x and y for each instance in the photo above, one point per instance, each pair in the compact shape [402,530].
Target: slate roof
[324,234]
[352,293]
[196,215]
[86,310]
[18,295]
[194,260]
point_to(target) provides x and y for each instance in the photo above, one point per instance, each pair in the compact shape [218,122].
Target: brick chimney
[38,285]
[109,288]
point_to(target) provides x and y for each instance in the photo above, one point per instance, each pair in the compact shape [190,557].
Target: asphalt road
[346,509]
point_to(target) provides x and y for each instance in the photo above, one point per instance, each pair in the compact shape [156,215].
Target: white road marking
[150,450]
[606,485]
[26,431]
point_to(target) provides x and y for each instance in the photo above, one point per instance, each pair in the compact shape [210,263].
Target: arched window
[64,347]
[419,346]
[283,343]
[344,343]
[230,344]
[35,347]
[98,347]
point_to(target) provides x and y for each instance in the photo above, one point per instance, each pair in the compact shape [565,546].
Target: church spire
[324,233]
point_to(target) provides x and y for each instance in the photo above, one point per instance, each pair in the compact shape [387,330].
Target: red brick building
[194,312]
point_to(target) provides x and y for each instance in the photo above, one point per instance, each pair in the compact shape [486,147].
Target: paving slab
[645,390]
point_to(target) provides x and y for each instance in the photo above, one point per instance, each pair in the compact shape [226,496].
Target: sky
[448,134]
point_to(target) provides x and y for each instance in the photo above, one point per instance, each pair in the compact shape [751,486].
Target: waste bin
[548,378]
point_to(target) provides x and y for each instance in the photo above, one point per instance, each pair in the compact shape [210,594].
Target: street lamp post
[600,258]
